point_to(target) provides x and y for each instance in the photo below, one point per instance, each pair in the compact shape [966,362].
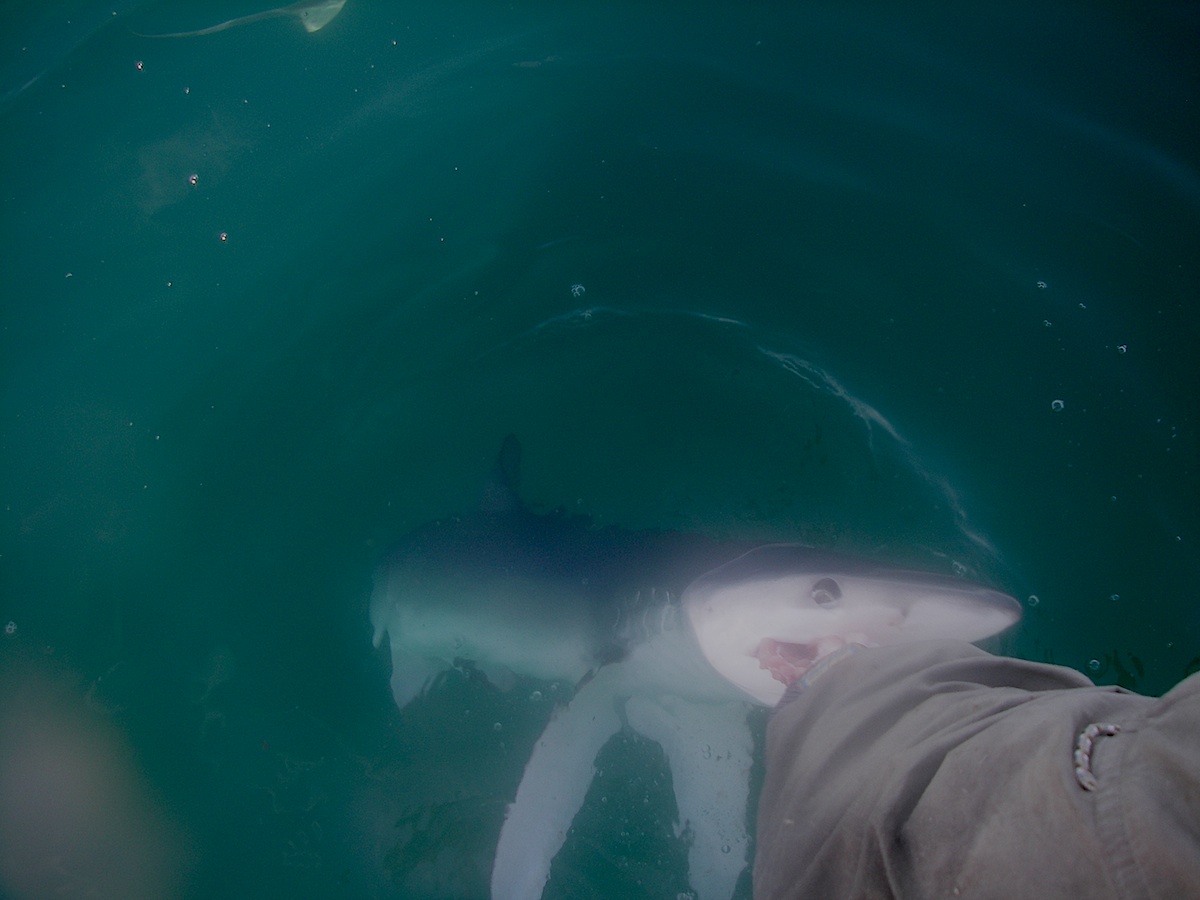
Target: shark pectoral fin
[556,780]
[317,15]
[313,15]
[412,674]
[710,750]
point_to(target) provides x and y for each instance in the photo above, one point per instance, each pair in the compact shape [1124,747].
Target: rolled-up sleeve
[939,770]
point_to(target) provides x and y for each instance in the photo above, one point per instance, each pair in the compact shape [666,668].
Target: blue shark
[675,636]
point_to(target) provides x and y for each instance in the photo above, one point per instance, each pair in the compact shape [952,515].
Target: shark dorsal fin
[500,493]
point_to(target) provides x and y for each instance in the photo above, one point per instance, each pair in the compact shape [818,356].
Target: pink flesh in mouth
[788,662]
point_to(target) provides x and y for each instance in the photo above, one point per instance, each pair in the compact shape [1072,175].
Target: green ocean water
[816,272]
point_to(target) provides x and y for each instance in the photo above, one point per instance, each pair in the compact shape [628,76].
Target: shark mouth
[789,662]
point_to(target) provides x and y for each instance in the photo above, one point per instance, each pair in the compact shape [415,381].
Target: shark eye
[826,593]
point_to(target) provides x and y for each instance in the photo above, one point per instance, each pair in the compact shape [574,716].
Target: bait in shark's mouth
[673,636]
[790,662]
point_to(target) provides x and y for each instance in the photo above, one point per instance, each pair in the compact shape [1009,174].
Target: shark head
[765,618]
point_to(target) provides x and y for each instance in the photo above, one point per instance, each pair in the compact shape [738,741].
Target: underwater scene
[540,312]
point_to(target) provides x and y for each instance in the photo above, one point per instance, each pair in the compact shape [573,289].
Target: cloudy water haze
[915,282]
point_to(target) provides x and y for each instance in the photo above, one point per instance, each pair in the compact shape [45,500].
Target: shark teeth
[788,662]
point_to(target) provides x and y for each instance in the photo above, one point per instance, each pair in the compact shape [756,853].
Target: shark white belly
[663,633]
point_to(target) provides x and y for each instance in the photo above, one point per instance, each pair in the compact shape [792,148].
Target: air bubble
[1033,600]
[1094,665]
[1057,405]
[497,727]
[10,629]
[1115,597]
